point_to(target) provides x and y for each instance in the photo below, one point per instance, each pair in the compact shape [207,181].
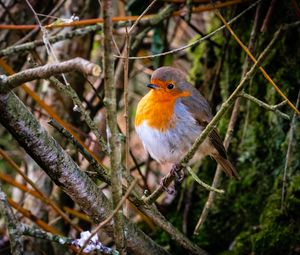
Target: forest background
[70,70]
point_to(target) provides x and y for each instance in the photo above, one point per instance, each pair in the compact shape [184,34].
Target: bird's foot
[170,191]
[178,172]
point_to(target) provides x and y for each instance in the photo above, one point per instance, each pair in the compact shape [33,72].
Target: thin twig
[99,168]
[78,106]
[268,16]
[48,45]
[203,184]
[197,41]
[126,101]
[287,157]
[52,39]
[111,216]
[273,108]
[141,16]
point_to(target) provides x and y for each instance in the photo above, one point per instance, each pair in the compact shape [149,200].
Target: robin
[172,115]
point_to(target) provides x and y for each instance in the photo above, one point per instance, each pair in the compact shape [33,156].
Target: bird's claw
[168,190]
[178,173]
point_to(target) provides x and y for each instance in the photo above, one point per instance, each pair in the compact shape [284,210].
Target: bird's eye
[170,86]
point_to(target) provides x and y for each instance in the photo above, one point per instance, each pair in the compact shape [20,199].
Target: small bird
[172,115]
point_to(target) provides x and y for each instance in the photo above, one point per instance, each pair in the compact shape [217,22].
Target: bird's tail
[228,168]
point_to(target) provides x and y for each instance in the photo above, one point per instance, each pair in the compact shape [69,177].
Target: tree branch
[46,71]
[273,108]
[115,144]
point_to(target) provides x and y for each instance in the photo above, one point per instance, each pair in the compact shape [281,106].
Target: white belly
[170,146]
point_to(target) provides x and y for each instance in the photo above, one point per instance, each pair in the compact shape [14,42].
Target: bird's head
[168,83]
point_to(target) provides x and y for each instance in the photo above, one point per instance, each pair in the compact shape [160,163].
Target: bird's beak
[152,86]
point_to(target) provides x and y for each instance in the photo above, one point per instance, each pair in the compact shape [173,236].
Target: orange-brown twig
[86,22]
[42,196]
[33,218]
[11,181]
[77,214]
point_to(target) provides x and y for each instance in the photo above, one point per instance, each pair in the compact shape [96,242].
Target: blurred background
[260,214]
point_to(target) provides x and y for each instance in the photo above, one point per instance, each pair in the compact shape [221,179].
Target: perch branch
[43,72]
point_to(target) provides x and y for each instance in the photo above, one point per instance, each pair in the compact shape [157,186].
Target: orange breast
[158,112]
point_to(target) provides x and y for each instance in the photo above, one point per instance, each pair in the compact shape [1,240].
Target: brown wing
[196,105]
[217,142]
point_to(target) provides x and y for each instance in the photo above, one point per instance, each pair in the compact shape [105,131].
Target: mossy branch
[273,108]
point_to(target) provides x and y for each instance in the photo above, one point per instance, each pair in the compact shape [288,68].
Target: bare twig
[268,16]
[197,41]
[141,16]
[273,108]
[99,168]
[287,157]
[78,106]
[203,184]
[112,215]
[46,71]
[126,101]
[52,39]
